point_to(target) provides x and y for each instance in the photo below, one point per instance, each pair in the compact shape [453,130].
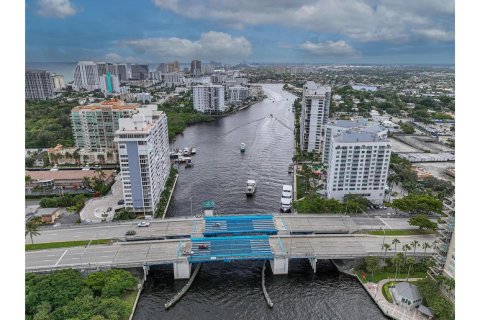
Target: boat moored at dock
[243,147]
[251,187]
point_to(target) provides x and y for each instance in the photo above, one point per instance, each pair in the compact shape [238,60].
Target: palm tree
[52,157]
[410,263]
[395,242]
[109,154]
[405,248]
[31,228]
[85,158]
[414,244]
[385,247]
[425,246]
[86,182]
[101,158]
[76,156]
[28,179]
[397,261]
[68,155]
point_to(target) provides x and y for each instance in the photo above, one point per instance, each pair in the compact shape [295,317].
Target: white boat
[251,187]
[193,151]
[242,147]
[287,198]
[186,151]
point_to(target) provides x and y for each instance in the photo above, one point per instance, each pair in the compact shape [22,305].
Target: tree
[450,284]
[85,158]
[418,203]
[76,156]
[397,260]
[410,263]
[371,265]
[28,179]
[405,248]
[414,245]
[422,221]
[395,242]
[385,247]
[86,182]
[31,228]
[425,246]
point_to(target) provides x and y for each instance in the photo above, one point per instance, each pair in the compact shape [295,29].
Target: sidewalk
[390,309]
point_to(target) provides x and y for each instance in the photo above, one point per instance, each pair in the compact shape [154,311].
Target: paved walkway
[390,309]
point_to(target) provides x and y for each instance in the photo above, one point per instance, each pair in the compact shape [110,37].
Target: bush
[124,214]
[74,203]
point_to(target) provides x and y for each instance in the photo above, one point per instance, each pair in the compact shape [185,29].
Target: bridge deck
[240,224]
[230,248]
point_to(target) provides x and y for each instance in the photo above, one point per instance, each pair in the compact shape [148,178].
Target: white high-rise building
[237,93]
[315,108]
[144,157]
[209,98]
[358,164]
[85,76]
[58,82]
[38,85]
[109,84]
[334,127]
[173,79]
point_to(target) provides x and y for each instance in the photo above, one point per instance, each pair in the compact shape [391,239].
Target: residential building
[122,72]
[358,164]
[173,67]
[444,245]
[218,78]
[314,116]
[241,81]
[237,93]
[144,157]
[143,97]
[73,155]
[109,84]
[335,127]
[256,90]
[58,82]
[173,79]
[155,75]
[94,125]
[162,68]
[196,68]
[207,68]
[139,72]
[66,179]
[106,67]
[209,98]
[38,85]
[85,76]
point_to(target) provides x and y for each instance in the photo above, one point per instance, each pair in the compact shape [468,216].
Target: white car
[144,224]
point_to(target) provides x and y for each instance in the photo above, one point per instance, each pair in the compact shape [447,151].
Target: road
[160,228]
[167,251]
[94,208]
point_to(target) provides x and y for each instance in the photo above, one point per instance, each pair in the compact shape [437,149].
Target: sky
[232,31]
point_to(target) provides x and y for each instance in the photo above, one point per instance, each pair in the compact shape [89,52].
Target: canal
[233,290]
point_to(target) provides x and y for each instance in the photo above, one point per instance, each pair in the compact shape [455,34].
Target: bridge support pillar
[313,263]
[279,265]
[181,270]
[145,272]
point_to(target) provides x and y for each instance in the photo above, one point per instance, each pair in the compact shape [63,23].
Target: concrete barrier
[169,198]
[264,288]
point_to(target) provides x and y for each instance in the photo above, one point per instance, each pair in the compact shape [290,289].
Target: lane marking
[61,257]
[385,223]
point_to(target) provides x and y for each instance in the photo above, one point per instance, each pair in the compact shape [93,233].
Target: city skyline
[360,32]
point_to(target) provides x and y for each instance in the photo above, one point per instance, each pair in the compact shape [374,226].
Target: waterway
[233,290]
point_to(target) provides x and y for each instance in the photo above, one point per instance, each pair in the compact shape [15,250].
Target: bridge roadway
[146,253]
[186,227]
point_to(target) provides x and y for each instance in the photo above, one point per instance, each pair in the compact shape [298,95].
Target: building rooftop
[349,123]
[115,104]
[65,174]
[356,136]
[408,291]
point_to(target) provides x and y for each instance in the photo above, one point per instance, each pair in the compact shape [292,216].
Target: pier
[180,294]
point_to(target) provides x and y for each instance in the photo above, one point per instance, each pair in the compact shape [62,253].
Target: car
[187,253]
[131,233]
[216,224]
[203,246]
[109,209]
[144,224]
[120,202]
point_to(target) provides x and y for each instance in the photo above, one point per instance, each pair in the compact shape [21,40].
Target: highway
[160,228]
[138,254]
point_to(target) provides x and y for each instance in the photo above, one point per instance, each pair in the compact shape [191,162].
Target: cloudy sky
[311,31]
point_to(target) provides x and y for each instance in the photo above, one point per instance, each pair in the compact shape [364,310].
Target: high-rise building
[144,158]
[218,78]
[38,85]
[121,72]
[105,67]
[207,68]
[335,127]
[139,71]
[109,84]
[237,93]
[358,164]
[444,245]
[162,67]
[155,75]
[85,76]
[173,79]
[196,68]
[94,125]
[58,82]
[315,108]
[209,98]
[173,66]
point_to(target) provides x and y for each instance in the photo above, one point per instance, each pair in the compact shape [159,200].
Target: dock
[180,294]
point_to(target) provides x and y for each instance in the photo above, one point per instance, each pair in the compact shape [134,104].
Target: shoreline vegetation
[65,244]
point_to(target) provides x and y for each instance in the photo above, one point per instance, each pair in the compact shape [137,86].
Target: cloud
[56,8]
[360,20]
[211,45]
[330,49]
[437,34]
[115,57]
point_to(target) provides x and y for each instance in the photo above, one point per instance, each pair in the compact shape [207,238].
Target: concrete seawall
[170,198]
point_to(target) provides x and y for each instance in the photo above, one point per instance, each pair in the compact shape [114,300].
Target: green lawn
[386,292]
[65,244]
[406,232]
[378,276]
[129,298]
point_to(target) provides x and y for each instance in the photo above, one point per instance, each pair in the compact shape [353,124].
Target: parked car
[187,253]
[109,209]
[131,233]
[144,224]
[120,202]
[203,246]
